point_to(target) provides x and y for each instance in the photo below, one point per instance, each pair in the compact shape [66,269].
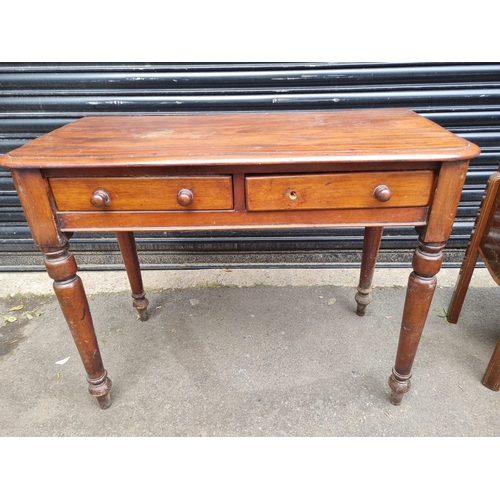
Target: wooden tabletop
[243,138]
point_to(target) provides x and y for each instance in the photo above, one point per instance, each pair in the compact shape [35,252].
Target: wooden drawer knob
[100,198]
[185,197]
[382,193]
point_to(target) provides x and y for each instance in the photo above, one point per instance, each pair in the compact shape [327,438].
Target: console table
[366,168]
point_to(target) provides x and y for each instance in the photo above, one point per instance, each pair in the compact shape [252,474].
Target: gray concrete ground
[246,353]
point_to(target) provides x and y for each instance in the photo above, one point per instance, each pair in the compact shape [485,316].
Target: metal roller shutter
[36,98]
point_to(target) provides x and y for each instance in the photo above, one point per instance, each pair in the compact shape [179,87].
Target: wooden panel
[322,191]
[253,138]
[35,198]
[228,220]
[258,168]
[146,193]
[448,189]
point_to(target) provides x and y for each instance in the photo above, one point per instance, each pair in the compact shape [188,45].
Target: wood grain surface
[150,193]
[268,138]
[350,190]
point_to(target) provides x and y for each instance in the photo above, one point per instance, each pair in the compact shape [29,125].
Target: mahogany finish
[371,245]
[149,193]
[382,193]
[485,241]
[320,191]
[243,139]
[126,241]
[99,198]
[185,197]
[368,168]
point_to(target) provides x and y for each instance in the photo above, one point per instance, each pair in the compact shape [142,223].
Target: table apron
[228,220]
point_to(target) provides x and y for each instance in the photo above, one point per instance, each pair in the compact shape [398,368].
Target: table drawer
[143,193]
[343,190]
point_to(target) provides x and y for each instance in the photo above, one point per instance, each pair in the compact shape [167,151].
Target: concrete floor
[247,353]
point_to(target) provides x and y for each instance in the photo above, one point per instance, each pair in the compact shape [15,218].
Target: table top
[243,138]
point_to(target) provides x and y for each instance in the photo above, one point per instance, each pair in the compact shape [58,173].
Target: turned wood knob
[382,193]
[185,197]
[100,198]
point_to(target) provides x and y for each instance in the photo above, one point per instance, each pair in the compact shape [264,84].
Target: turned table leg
[36,199]
[371,245]
[421,285]
[426,264]
[126,241]
[68,286]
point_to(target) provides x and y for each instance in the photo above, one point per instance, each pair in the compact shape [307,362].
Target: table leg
[126,241]
[371,245]
[62,268]
[39,208]
[421,285]
[426,264]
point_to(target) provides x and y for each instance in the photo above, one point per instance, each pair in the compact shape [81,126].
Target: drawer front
[143,193]
[343,190]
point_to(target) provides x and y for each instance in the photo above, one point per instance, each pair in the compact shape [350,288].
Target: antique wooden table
[368,168]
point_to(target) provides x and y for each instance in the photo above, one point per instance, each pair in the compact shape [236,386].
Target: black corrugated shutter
[36,98]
